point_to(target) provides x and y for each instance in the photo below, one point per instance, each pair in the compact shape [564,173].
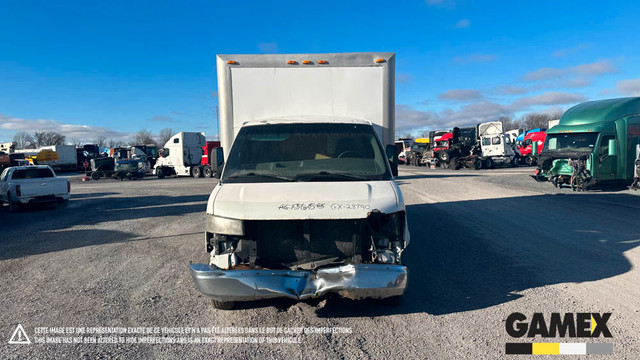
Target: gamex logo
[567,325]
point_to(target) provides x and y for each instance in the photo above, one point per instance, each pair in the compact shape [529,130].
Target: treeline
[37,139]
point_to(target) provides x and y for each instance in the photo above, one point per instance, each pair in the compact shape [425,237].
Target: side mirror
[534,148]
[217,161]
[218,173]
[392,155]
[613,147]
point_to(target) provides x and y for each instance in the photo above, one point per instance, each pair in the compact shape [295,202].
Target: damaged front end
[302,259]
[566,169]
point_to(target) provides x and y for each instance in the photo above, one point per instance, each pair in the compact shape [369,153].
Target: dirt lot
[484,244]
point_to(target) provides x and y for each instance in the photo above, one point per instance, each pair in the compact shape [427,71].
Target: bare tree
[536,120]
[165,135]
[100,140]
[47,138]
[112,143]
[23,140]
[143,137]
[508,123]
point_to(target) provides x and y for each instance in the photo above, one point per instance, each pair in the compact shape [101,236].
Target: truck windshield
[576,142]
[306,152]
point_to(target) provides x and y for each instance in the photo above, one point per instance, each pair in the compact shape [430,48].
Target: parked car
[32,184]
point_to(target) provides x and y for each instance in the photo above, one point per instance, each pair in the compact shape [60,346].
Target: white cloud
[512,90]
[628,87]
[463,24]
[268,47]
[571,50]
[592,69]
[595,68]
[548,98]
[10,125]
[577,82]
[475,58]
[460,95]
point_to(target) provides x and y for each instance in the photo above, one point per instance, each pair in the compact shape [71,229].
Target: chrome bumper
[351,281]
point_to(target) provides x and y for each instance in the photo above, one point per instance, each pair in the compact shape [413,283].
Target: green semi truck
[593,145]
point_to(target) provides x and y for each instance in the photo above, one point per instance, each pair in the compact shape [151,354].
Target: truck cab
[527,145]
[181,155]
[306,204]
[594,143]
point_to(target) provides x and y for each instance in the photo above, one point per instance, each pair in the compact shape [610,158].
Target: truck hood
[304,200]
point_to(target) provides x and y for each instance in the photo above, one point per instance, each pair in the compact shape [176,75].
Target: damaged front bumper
[357,281]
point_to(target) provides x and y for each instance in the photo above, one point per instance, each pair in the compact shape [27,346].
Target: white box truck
[181,156]
[306,204]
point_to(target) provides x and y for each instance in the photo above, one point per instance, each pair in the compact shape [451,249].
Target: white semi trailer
[181,155]
[306,190]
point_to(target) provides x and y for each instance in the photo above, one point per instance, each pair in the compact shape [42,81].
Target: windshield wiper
[259,175]
[326,174]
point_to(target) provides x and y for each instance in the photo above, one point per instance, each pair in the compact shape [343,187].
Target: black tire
[222,305]
[529,160]
[13,207]
[478,164]
[444,165]
[444,156]
[196,172]
[488,163]
[206,172]
[416,161]
[516,161]
[160,173]
[95,175]
[454,163]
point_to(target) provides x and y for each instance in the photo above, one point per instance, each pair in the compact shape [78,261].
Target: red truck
[207,166]
[527,146]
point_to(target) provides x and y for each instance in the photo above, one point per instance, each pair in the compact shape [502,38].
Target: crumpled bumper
[356,281]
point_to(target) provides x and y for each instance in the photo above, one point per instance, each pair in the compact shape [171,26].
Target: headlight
[224,226]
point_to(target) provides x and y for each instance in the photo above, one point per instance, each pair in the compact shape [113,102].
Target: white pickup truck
[32,184]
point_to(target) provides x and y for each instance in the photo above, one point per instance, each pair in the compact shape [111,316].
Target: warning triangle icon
[19,336]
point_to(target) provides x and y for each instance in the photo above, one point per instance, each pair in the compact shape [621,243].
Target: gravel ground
[484,244]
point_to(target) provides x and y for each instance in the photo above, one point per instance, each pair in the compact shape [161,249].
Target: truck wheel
[529,160]
[222,305]
[160,173]
[206,172]
[95,175]
[454,163]
[488,163]
[478,164]
[196,172]
[444,165]
[444,156]
[13,207]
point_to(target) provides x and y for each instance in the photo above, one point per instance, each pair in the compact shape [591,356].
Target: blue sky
[92,68]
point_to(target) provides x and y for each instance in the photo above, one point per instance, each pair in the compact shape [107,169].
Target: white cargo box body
[67,154]
[350,85]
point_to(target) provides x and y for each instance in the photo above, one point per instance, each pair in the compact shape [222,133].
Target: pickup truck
[32,184]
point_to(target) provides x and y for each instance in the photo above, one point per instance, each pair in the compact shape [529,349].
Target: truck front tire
[206,172]
[160,173]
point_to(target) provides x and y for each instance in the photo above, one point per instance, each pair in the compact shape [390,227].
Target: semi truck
[181,156]
[66,158]
[306,204]
[594,144]
[211,159]
[531,146]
